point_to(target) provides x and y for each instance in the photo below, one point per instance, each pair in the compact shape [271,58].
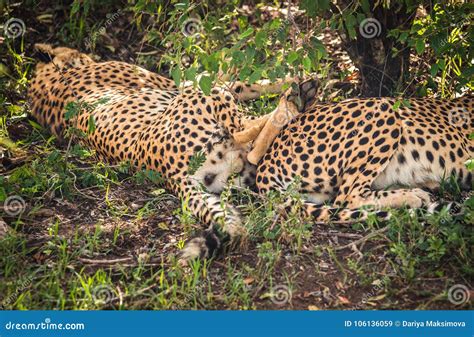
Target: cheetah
[367,152]
[145,119]
[359,152]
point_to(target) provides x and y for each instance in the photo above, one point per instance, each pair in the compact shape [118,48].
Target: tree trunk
[382,72]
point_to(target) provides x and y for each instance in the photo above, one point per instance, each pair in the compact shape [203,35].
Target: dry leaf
[44,212]
[249,280]
[343,300]
[377,282]
[39,257]
[323,265]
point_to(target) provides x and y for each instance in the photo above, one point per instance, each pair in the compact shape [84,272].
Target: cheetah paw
[420,198]
[302,95]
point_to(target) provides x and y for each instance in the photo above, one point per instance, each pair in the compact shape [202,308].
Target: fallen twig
[105,261]
[363,239]
[341,235]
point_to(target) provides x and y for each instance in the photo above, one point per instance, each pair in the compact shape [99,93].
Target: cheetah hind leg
[370,204]
[295,100]
[412,198]
[321,214]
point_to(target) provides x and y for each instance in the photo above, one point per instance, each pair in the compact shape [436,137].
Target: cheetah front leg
[264,130]
[357,192]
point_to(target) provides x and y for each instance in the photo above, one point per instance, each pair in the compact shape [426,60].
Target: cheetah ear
[252,128]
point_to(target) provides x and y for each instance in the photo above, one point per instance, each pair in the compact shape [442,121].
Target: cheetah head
[225,162]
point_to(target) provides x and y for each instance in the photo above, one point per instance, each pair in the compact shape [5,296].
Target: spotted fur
[360,152]
[143,118]
[368,152]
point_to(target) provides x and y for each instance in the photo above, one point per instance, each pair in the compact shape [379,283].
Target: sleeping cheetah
[145,119]
[368,152]
[349,153]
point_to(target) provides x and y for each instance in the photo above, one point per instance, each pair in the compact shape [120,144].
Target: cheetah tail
[224,226]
